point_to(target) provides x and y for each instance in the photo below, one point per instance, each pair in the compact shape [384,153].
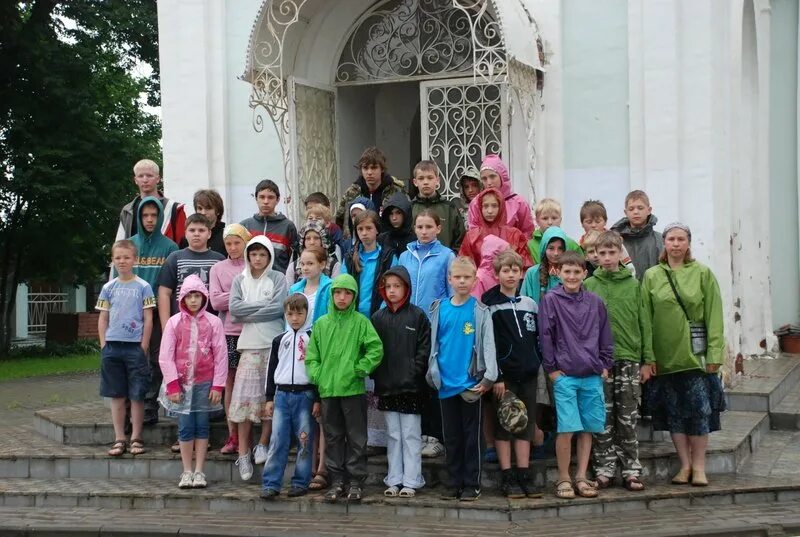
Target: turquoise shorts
[580,404]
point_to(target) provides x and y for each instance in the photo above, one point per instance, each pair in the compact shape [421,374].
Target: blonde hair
[590,239]
[125,244]
[320,211]
[639,195]
[462,262]
[146,163]
[547,205]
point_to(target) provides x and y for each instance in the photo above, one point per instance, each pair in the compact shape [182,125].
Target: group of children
[286,329]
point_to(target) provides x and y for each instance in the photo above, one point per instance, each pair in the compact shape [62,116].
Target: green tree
[72,123]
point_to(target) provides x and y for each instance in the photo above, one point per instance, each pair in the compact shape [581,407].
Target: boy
[335,232]
[292,403]
[397,224]
[146,177]
[462,367]
[514,322]
[589,246]
[639,237]
[344,349]
[126,320]
[632,344]
[275,226]
[577,352]
[469,186]
[548,213]
[594,218]
[209,204]
[374,183]
[426,179]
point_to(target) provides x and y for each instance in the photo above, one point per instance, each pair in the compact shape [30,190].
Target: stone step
[765,383]
[786,414]
[151,494]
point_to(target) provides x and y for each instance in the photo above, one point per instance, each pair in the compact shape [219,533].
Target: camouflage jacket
[389,186]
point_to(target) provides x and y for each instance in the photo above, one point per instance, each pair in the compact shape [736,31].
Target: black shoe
[150,418]
[470,495]
[509,487]
[294,492]
[270,494]
[527,485]
[354,494]
[451,493]
[334,493]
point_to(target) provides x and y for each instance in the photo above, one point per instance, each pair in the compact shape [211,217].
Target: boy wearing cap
[514,321]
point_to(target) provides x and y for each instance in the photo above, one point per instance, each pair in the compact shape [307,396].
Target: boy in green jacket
[344,348]
[633,338]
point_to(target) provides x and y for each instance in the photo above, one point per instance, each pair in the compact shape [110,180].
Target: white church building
[693,101]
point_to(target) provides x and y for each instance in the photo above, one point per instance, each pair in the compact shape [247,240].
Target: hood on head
[470,174]
[344,281]
[190,284]
[501,215]
[491,246]
[366,202]
[553,232]
[496,164]
[402,273]
[398,200]
[320,229]
[262,240]
[159,222]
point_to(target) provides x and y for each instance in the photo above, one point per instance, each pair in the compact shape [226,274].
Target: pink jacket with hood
[486,278]
[518,212]
[193,347]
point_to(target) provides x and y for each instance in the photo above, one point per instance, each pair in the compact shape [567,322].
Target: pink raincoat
[486,278]
[518,212]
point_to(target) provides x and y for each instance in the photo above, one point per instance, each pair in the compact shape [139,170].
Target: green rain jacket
[630,323]
[344,347]
[699,291]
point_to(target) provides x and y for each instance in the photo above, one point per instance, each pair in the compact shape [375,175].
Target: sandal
[392,491]
[682,477]
[136,447]
[699,479]
[564,490]
[176,447]
[354,494]
[117,449]
[320,482]
[336,492]
[407,492]
[601,482]
[633,484]
[584,488]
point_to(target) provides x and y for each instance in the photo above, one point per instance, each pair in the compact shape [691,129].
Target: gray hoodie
[644,245]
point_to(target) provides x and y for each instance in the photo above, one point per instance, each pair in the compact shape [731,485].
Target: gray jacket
[643,245]
[263,319]
[483,365]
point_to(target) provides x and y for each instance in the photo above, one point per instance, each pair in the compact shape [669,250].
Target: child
[544,276]
[426,260]
[367,262]
[469,185]
[209,204]
[397,223]
[319,199]
[492,222]
[313,233]
[577,353]
[256,301]
[486,276]
[594,218]
[221,279]
[426,179]
[322,215]
[315,285]
[639,237]
[462,368]
[359,205]
[400,380]
[281,231]
[633,338]
[126,320]
[548,213]
[292,403]
[589,246]
[193,359]
[514,322]
[344,349]
[494,174]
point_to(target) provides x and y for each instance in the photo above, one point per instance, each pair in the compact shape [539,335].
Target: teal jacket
[531,286]
[152,248]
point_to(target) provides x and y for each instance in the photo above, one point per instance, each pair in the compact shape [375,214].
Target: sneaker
[490,455]
[260,454]
[527,485]
[199,481]
[451,493]
[186,480]
[269,494]
[509,486]
[470,495]
[432,448]
[231,446]
[245,467]
[295,492]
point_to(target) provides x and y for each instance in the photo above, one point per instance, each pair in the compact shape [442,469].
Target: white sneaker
[199,480]
[432,448]
[186,480]
[260,454]
[245,467]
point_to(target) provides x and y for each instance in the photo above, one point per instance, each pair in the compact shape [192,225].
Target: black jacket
[384,264]
[516,336]
[397,239]
[406,337]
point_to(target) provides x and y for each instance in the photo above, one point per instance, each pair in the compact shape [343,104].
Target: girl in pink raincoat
[494,174]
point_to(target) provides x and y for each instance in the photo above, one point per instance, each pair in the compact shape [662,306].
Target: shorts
[124,371]
[526,391]
[233,354]
[580,404]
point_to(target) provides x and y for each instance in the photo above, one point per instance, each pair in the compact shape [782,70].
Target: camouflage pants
[619,442]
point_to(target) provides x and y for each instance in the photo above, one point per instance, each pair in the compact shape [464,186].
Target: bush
[82,346]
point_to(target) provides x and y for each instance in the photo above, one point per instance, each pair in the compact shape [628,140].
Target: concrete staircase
[771,386]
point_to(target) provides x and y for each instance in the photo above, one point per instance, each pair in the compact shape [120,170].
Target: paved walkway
[20,398]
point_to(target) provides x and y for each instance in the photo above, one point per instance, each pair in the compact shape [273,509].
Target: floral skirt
[249,388]
[688,402]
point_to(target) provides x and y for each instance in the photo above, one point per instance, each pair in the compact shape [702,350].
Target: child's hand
[647,372]
[479,389]
[555,374]
[146,349]
[215,397]
[269,408]
[499,389]
[604,374]
[316,410]
[175,397]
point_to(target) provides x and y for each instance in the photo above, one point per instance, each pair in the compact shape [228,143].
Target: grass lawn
[56,365]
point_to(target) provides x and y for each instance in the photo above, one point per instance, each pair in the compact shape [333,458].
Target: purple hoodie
[574,333]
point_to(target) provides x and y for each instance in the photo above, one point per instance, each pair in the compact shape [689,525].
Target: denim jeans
[404,450]
[291,418]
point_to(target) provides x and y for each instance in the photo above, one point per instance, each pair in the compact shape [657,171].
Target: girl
[542,277]
[486,275]
[368,261]
[427,260]
[313,233]
[494,174]
[220,278]
[193,360]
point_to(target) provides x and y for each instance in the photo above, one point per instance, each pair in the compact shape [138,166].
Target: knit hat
[511,413]
[357,206]
[677,225]
[238,230]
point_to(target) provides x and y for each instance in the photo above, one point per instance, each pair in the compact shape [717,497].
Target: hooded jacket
[152,248]
[471,246]
[643,245]
[373,264]
[389,185]
[172,227]
[486,278]
[280,231]
[534,246]
[531,285]
[575,334]
[322,296]
[350,230]
[699,291]
[427,266]
[344,347]
[287,363]
[630,323]
[515,334]
[518,212]
[193,348]
[406,336]
[397,238]
[257,303]
[452,224]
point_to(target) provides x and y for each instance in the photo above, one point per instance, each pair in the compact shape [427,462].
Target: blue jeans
[291,418]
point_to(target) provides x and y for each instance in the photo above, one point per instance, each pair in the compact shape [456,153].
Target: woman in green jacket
[686,395]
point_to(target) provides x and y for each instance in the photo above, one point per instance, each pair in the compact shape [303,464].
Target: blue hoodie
[152,248]
[427,265]
[323,296]
[531,286]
